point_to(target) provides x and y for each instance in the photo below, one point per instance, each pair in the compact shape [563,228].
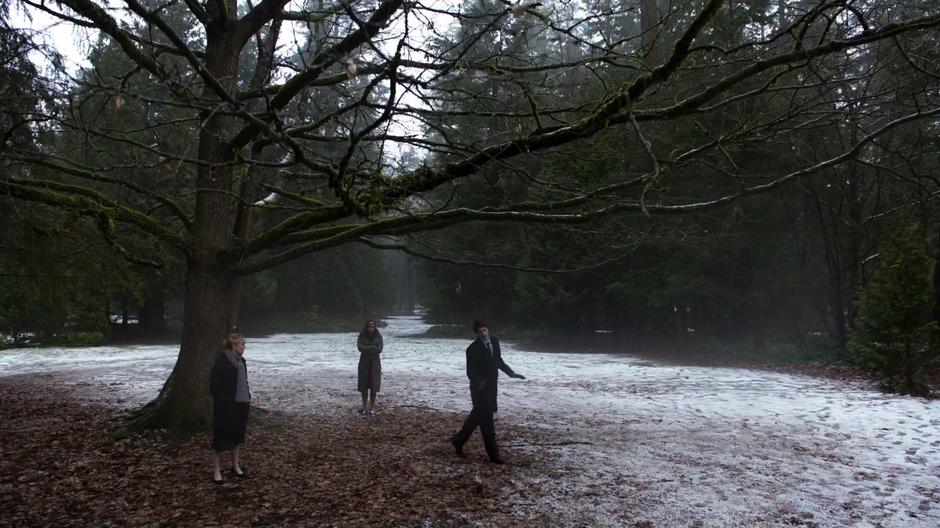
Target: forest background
[776,194]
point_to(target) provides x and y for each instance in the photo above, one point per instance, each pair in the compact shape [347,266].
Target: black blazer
[224,378]
[483,371]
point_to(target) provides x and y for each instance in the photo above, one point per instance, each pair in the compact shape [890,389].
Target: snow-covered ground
[675,445]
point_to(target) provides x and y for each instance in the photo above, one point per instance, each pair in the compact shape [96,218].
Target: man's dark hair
[477,324]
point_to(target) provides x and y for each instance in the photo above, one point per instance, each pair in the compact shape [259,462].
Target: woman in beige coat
[370,366]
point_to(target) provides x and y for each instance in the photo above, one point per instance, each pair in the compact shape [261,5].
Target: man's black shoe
[458,447]
[497,460]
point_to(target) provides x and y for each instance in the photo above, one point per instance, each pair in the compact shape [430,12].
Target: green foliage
[24,89]
[743,351]
[323,292]
[50,284]
[895,334]
[449,331]
[303,323]
[259,290]
[77,339]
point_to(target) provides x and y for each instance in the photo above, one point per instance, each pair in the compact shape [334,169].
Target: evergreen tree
[896,335]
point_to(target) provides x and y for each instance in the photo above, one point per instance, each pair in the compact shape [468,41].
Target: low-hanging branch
[106,225]
[172,206]
[496,265]
[87,202]
[337,235]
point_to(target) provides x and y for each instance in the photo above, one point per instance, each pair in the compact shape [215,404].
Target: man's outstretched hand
[517,376]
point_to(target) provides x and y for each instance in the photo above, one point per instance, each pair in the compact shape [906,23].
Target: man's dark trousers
[481,415]
[483,366]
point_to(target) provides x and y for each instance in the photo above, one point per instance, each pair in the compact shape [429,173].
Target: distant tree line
[793,264]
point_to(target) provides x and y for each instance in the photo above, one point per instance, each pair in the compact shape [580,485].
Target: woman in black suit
[231,398]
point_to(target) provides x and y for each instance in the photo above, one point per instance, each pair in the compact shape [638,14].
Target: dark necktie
[489,348]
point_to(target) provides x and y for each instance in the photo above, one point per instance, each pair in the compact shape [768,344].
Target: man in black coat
[484,362]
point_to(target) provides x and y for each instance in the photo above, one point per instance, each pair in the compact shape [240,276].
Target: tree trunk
[124,314]
[649,18]
[936,284]
[855,234]
[909,385]
[211,297]
[838,317]
[152,317]
[184,402]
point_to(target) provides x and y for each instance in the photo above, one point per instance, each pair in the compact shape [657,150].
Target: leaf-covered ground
[60,466]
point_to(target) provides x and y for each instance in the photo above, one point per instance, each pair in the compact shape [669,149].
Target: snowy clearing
[676,446]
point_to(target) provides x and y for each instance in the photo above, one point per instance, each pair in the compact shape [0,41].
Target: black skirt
[231,421]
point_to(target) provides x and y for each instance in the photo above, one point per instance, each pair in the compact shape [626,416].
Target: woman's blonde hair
[233,337]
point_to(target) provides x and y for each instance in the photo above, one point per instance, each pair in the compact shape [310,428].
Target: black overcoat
[370,363]
[483,371]
[230,418]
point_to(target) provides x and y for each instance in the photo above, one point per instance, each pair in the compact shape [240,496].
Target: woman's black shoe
[243,474]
